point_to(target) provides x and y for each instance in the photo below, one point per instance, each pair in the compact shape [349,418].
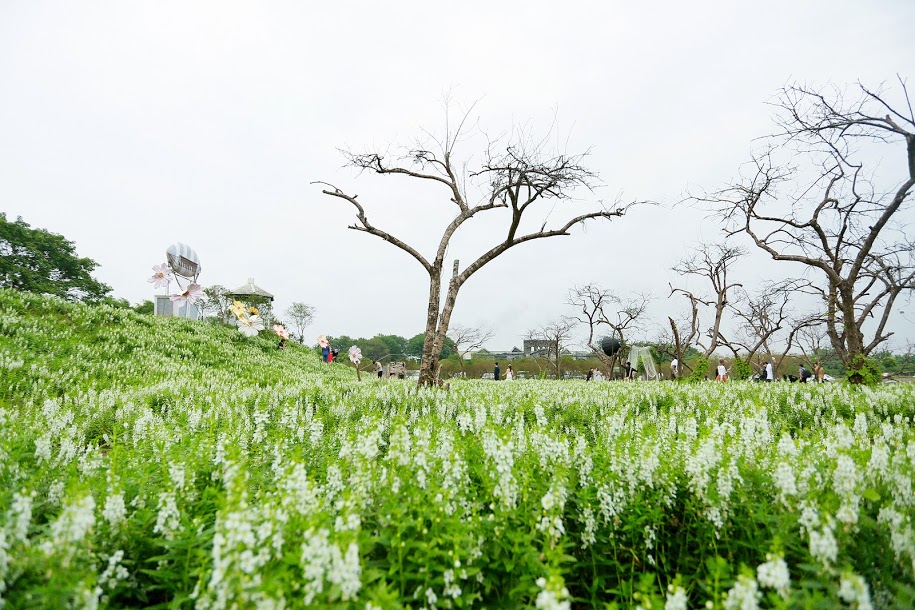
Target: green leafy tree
[344,342]
[414,347]
[36,260]
[146,307]
[300,316]
[113,302]
[395,344]
[375,348]
[700,369]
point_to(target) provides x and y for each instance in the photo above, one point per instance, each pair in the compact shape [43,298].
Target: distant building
[514,354]
[532,349]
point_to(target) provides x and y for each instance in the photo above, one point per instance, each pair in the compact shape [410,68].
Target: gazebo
[251,292]
[254,296]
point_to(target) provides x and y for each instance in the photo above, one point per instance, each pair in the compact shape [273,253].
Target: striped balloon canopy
[183,260]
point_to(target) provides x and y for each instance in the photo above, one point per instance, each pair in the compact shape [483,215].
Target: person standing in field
[674,365]
[722,371]
[509,374]
[770,370]
[379,370]
[496,372]
[803,374]
[819,373]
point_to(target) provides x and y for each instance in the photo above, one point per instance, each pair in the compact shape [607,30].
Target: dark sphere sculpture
[610,345]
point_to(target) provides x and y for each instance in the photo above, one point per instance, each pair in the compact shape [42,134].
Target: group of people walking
[803,375]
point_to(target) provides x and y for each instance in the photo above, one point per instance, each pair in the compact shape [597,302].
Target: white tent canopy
[651,371]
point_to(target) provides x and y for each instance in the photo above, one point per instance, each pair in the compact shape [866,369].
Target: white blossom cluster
[292,484]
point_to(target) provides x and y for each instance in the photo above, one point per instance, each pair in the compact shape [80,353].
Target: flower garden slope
[167,463]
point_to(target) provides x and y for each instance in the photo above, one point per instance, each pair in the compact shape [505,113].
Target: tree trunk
[427,367]
[437,330]
[852,353]
[678,350]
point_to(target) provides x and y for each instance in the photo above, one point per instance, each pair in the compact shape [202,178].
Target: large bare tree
[516,175]
[809,200]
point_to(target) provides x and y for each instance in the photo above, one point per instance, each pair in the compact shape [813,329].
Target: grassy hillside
[168,463]
[74,348]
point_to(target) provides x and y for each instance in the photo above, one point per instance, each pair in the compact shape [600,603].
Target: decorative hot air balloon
[610,345]
[183,261]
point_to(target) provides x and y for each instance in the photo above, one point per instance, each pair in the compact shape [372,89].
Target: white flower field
[166,463]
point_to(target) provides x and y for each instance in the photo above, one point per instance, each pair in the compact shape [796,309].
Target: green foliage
[216,302]
[864,371]
[390,347]
[414,346]
[36,260]
[300,317]
[147,307]
[113,302]
[700,370]
[741,369]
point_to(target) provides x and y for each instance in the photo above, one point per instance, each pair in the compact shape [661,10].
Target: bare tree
[301,316]
[838,224]
[812,340]
[599,308]
[515,174]
[684,331]
[469,338]
[556,335]
[768,323]
[711,262]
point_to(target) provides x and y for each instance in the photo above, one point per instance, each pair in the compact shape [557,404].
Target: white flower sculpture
[162,276]
[355,355]
[193,294]
[250,325]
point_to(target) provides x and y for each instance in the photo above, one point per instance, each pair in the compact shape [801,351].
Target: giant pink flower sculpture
[355,355]
[193,294]
[280,331]
[162,276]
[322,341]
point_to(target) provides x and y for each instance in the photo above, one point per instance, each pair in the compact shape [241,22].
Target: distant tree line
[389,347]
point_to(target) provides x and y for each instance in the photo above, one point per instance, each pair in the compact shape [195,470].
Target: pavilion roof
[251,289]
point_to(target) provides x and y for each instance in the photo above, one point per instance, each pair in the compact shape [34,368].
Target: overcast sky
[127,126]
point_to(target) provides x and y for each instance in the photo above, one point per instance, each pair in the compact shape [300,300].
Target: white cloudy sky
[126,126]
